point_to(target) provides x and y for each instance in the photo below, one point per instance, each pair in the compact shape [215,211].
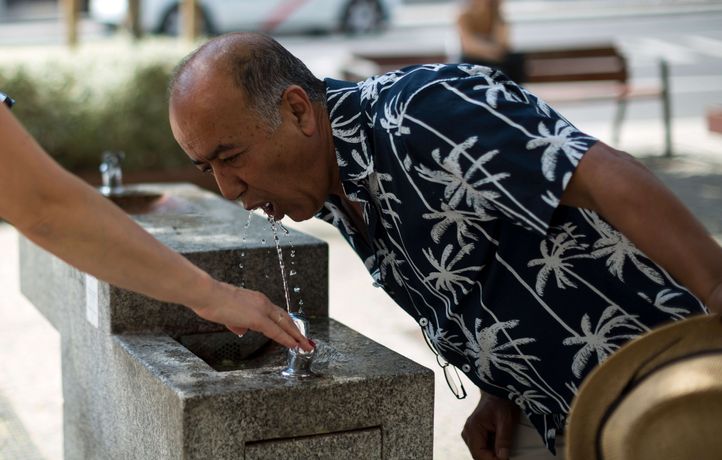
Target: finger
[290,328]
[282,329]
[502,440]
[476,439]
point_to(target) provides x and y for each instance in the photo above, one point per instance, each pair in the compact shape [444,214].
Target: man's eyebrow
[220,148]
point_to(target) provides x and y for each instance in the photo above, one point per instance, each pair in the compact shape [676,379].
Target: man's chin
[301,215]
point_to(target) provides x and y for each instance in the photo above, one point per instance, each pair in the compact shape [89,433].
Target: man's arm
[65,216]
[633,200]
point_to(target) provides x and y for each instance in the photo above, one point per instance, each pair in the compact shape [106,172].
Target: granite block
[133,390]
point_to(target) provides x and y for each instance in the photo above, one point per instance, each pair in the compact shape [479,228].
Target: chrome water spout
[299,361]
[111,173]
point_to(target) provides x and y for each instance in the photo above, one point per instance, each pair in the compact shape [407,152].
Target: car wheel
[171,23]
[362,16]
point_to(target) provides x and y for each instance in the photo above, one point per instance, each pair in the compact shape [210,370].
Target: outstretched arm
[65,216]
[624,192]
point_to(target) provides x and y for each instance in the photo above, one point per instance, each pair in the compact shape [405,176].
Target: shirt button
[466,368]
[423,322]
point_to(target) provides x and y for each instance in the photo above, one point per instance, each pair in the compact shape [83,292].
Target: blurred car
[270,16]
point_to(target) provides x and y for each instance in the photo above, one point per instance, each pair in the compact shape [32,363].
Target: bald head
[256,64]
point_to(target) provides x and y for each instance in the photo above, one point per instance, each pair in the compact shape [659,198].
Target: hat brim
[604,386]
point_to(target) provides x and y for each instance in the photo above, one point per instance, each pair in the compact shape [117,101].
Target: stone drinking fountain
[144,379]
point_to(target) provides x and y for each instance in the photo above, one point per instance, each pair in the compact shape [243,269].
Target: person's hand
[489,429]
[243,309]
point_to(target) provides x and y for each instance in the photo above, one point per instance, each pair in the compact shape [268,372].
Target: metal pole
[134,18]
[666,107]
[71,9]
[189,15]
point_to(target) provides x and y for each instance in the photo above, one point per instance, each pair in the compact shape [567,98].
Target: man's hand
[489,429]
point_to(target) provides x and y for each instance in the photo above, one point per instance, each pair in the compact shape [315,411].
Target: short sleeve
[498,150]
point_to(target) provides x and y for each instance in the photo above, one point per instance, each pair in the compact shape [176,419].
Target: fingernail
[502,453]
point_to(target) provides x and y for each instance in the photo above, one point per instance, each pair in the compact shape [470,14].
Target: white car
[270,16]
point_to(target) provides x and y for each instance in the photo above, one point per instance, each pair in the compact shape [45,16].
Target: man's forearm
[635,202]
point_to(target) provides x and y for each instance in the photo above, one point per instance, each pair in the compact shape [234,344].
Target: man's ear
[296,101]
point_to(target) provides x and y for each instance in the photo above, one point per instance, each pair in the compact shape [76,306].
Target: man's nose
[230,185]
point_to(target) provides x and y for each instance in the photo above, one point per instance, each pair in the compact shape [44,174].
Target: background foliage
[79,104]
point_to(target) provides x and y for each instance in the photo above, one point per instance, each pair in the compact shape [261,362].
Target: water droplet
[292,273]
[263,241]
[296,290]
[293,253]
[274,228]
[243,254]
[240,265]
[300,302]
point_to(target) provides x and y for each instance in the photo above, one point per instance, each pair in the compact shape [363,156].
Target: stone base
[369,402]
[132,390]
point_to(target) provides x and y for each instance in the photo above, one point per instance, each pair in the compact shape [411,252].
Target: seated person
[484,37]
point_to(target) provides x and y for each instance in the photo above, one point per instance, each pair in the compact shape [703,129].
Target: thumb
[503,437]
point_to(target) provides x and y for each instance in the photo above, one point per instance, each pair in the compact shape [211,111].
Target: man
[481,211]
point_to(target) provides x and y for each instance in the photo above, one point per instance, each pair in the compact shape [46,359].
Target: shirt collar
[348,119]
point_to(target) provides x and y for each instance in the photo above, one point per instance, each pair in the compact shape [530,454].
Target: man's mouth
[268,209]
[271,211]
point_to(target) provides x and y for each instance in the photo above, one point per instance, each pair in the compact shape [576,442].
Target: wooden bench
[560,75]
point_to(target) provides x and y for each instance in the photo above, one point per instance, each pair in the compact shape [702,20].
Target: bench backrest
[591,63]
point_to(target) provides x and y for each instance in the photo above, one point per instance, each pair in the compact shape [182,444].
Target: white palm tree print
[460,183]
[484,348]
[564,140]
[370,87]
[388,260]
[618,249]
[393,120]
[528,399]
[439,338]
[553,261]
[661,299]
[337,218]
[383,199]
[449,217]
[599,340]
[445,277]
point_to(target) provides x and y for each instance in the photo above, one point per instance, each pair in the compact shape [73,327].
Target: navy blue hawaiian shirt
[459,172]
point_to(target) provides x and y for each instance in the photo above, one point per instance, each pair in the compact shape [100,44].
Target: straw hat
[659,397]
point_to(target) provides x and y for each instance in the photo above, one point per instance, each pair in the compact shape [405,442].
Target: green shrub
[79,104]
